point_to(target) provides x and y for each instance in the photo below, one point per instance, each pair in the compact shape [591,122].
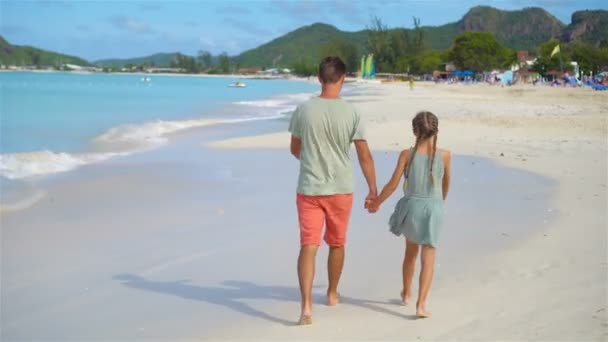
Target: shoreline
[131,267]
[130,138]
[245,76]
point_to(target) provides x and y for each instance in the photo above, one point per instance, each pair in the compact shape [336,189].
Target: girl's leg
[409,265]
[426,276]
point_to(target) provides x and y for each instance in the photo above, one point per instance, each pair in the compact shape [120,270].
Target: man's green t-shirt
[326,127]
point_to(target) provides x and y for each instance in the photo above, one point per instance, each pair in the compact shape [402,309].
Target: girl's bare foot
[305,320]
[333,299]
[421,312]
[305,315]
[405,299]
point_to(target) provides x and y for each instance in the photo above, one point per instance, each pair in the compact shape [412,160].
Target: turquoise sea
[51,122]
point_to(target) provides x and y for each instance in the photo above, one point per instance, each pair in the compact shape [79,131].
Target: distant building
[449,67]
[249,70]
[524,62]
[273,71]
[153,70]
[523,56]
[82,68]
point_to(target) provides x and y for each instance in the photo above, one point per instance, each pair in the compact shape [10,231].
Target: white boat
[146,79]
[237,85]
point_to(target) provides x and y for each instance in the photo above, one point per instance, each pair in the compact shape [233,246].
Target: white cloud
[208,43]
[131,24]
[246,27]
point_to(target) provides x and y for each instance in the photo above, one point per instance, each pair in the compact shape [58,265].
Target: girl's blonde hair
[425,125]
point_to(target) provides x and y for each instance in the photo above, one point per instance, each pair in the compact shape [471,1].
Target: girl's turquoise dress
[419,213]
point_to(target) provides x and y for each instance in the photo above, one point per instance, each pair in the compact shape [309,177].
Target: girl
[419,213]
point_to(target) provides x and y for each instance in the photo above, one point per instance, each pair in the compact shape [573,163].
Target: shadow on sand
[230,294]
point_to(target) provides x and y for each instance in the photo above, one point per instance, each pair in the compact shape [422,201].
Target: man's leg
[311,218]
[306,274]
[337,212]
[335,263]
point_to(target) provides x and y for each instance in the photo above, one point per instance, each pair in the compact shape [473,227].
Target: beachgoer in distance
[419,213]
[322,131]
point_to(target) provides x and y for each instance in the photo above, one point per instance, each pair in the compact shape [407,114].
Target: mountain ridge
[522,29]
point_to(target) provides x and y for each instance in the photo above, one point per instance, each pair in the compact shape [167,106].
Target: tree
[477,51]
[36,59]
[304,69]
[428,61]
[603,60]
[395,50]
[510,58]
[343,49]
[186,63]
[378,43]
[545,62]
[400,43]
[418,43]
[403,64]
[224,65]
[204,59]
[588,57]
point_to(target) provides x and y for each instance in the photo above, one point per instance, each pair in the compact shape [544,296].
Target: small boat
[146,79]
[237,85]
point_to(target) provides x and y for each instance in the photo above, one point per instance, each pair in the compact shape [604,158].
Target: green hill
[27,55]
[158,59]
[303,43]
[588,26]
[522,29]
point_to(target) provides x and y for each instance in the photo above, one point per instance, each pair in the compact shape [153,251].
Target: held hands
[373,206]
[371,202]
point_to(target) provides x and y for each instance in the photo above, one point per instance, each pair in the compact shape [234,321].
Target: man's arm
[367,167]
[296,146]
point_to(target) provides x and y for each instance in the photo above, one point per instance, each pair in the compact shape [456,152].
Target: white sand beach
[552,284]
[198,240]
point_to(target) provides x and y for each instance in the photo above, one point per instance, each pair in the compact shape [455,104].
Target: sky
[120,29]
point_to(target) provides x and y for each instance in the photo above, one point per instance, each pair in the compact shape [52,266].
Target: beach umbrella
[468,73]
[507,77]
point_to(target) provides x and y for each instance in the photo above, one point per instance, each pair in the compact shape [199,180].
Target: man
[322,130]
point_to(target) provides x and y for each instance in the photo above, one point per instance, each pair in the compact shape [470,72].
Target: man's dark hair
[331,69]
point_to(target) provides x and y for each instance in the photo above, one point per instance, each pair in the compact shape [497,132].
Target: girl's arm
[447,163]
[393,183]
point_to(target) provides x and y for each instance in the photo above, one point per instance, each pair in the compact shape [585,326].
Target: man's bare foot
[333,299]
[305,320]
[405,299]
[421,312]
